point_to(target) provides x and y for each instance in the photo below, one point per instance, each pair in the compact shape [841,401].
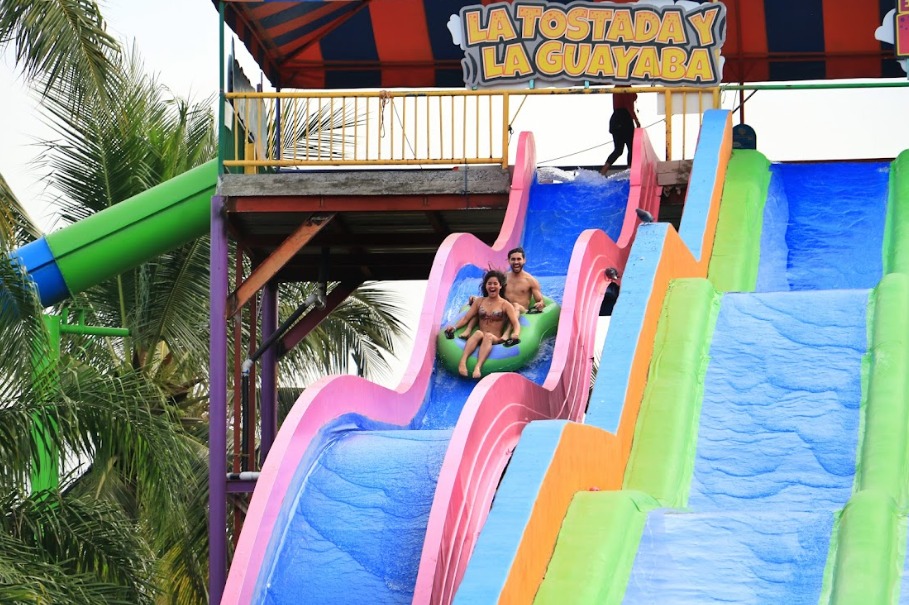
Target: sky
[178,41]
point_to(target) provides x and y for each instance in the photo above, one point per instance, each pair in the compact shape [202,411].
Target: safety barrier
[400,127]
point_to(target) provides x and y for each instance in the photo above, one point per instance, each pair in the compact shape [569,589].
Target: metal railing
[396,127]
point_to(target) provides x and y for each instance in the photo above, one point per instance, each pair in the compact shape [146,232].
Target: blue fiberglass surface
[353,531]
[355,504]
[780,415]
[743,557]
[826,221]
[556,215]
[775,455]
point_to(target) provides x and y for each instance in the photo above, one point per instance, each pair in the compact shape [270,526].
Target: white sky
[178,40]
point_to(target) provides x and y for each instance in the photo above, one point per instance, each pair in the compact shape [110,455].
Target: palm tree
[59,41]
[129,415]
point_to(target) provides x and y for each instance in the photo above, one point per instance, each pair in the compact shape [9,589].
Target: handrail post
[505,126]
[668,98]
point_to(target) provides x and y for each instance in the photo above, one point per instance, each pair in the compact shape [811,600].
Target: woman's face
[492,286]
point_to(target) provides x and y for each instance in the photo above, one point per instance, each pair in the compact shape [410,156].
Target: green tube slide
[136,230]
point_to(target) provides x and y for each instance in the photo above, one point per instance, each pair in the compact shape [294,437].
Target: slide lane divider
[515,546]
[869,539]
[896,235]
[334,397]
[661,463]
[502,404]
[495,415]
[599,538]
[737,246]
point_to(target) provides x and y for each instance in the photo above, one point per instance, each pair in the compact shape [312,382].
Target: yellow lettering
[577,56]
[703,24]
[553,24]
[529,16]
[646,26]
[475,31]
[491,67]
[621,29]
[672,30]
[599,17]
[672,63]
[516,63]
[699,69]
[623,58]
[601,61]
[648,64]
[578,25]
[500,27]
[549,58]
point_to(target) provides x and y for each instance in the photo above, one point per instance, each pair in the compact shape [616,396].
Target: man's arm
[537,295]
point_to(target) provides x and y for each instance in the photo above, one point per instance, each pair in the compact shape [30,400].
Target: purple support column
[217,411]
[268,370]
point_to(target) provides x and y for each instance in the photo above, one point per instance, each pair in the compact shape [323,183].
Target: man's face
[516,261]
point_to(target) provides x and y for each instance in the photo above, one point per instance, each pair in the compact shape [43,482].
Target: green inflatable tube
[534,328]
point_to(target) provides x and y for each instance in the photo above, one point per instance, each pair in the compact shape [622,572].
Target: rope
[384,98]
[562,157]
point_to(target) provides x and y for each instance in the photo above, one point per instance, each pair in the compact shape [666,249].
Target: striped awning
[406,43]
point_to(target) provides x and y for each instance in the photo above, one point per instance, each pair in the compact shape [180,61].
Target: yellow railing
[396,127]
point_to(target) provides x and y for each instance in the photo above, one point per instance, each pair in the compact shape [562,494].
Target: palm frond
[322,133]
[59,41]
[16,226]
[358,336]
[121,423]
[83,538]
[184,547]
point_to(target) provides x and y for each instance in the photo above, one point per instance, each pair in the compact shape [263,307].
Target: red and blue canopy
[406,43]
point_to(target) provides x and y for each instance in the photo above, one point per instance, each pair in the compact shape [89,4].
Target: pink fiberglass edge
[491,422]
[644,191]
[335,396]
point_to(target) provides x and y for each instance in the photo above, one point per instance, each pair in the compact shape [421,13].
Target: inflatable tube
[534,328]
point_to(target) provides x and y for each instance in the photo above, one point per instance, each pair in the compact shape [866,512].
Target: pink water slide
[494,415]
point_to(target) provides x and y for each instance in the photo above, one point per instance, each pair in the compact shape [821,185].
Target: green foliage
[59,41]
[127,415]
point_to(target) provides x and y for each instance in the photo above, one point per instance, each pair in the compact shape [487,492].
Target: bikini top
[494,315]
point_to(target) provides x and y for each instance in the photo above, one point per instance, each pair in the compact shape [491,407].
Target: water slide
[372,494]
[106,244]
[769,457]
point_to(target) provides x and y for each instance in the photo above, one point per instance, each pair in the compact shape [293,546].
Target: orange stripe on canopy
[841,22]
[400,40]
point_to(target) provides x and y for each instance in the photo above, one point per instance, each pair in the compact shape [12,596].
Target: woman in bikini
[495,315]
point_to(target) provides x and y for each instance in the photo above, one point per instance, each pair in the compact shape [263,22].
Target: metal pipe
[92,330]
[217,410]
[269,393]
[316,299]
[820,86]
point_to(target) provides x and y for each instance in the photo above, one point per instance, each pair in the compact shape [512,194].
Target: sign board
[585,42]
[901,30]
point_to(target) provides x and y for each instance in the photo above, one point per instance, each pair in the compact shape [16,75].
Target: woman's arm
[515,321]
[471,313]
